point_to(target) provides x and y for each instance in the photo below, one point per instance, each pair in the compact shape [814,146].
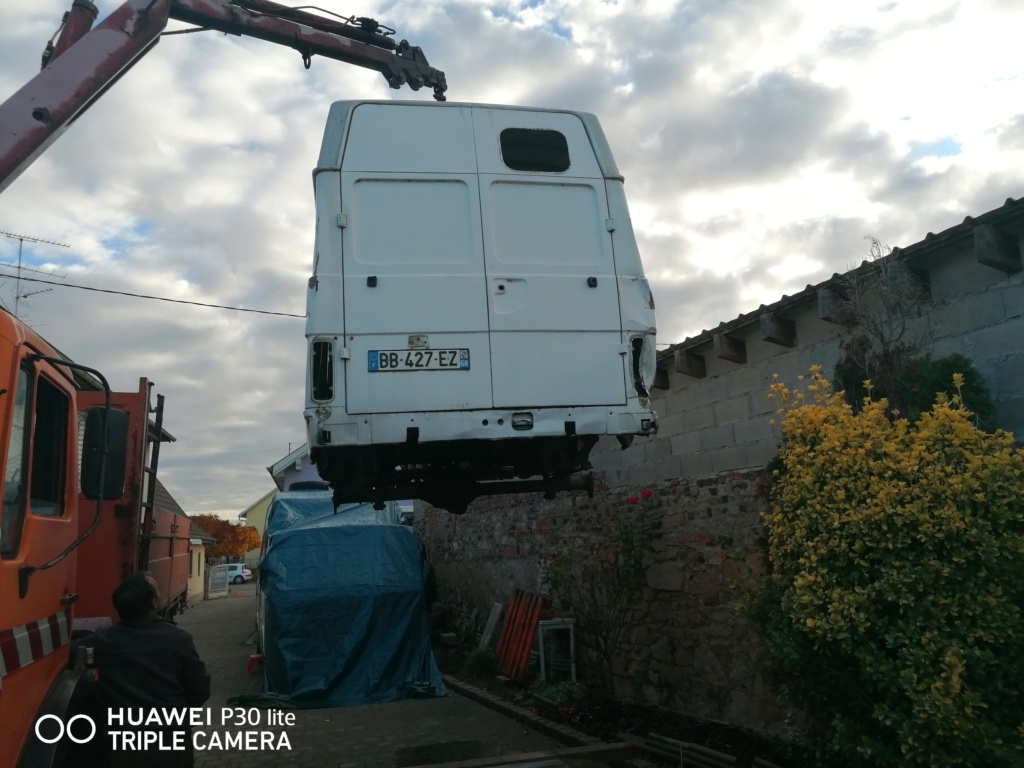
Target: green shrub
[893,610]
[911,384]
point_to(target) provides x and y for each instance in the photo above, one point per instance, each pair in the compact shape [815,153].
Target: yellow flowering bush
[893,610]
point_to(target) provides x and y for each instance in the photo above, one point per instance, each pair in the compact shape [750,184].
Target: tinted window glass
[14,472]
[322,365]
[49,450]
[534,149]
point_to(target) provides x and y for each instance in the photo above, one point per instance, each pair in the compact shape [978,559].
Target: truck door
[111,553]
[551,284]
[412,255]
[168,552]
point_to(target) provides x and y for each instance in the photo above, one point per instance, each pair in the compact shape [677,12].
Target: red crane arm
[86,61]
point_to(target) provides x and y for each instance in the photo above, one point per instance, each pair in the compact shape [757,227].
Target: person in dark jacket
[145,663]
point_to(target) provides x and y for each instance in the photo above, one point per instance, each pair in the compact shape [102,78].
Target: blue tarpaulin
[343,614]
[292,507]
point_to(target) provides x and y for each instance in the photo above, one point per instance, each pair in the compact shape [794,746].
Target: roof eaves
[291,458]
[926,248]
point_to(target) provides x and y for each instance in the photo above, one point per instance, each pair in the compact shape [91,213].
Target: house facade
[197,543]
[256,516]
[294,468]
[291,469]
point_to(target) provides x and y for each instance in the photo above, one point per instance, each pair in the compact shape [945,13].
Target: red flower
[634,499]
[646,493]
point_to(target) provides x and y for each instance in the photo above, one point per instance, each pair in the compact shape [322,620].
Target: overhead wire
[151,298]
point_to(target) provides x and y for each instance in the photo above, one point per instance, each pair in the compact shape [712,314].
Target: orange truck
[77,517]
[61,552]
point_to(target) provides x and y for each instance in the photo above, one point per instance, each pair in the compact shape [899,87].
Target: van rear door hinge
[342,220]
[609,224]
[344,353]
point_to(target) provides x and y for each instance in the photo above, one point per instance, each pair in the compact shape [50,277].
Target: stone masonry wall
[689,647]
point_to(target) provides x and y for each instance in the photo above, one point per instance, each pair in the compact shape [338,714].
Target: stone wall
[689,647]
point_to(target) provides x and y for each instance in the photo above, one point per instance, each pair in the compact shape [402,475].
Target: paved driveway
[354,737]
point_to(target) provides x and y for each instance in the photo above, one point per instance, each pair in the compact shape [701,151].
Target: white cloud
[760,143]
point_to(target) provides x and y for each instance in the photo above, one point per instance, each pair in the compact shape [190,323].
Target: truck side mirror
[92,450]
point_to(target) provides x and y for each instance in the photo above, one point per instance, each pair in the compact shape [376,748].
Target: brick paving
[342,737]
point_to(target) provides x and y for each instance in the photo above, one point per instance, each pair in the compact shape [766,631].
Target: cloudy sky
[761,142]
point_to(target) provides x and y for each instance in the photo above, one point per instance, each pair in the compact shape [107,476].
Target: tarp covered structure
[292,507]
[343,614]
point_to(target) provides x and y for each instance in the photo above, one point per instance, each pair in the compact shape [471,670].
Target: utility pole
[21,242]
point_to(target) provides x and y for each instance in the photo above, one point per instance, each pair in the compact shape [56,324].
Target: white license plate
[381,360]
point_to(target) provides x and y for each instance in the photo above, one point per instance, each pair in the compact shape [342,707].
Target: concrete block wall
[721,423]
[987,326]
[980,314]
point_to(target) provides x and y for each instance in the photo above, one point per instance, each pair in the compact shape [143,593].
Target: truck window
[322,370]
[534,149]
[14,471]
[49,450]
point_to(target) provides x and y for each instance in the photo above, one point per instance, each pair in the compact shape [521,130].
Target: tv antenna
[21,242]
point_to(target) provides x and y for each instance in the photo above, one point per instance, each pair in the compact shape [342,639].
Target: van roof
[338,118]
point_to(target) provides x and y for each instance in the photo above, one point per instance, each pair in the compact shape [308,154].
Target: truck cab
[478,314]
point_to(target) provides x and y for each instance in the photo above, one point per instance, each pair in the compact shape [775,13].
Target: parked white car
[238,573]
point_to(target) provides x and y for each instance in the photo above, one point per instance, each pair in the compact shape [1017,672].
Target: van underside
[450,474]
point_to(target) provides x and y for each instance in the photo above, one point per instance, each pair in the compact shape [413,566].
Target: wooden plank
[491,626]
[618,750]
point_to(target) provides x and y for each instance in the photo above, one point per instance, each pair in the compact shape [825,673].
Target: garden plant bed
[613,720]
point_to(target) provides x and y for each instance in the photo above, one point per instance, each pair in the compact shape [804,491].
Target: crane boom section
[86,62]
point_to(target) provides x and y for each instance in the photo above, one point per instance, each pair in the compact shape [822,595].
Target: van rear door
[415,292]
[552,301]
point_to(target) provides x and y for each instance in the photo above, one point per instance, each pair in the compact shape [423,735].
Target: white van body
[478,314]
